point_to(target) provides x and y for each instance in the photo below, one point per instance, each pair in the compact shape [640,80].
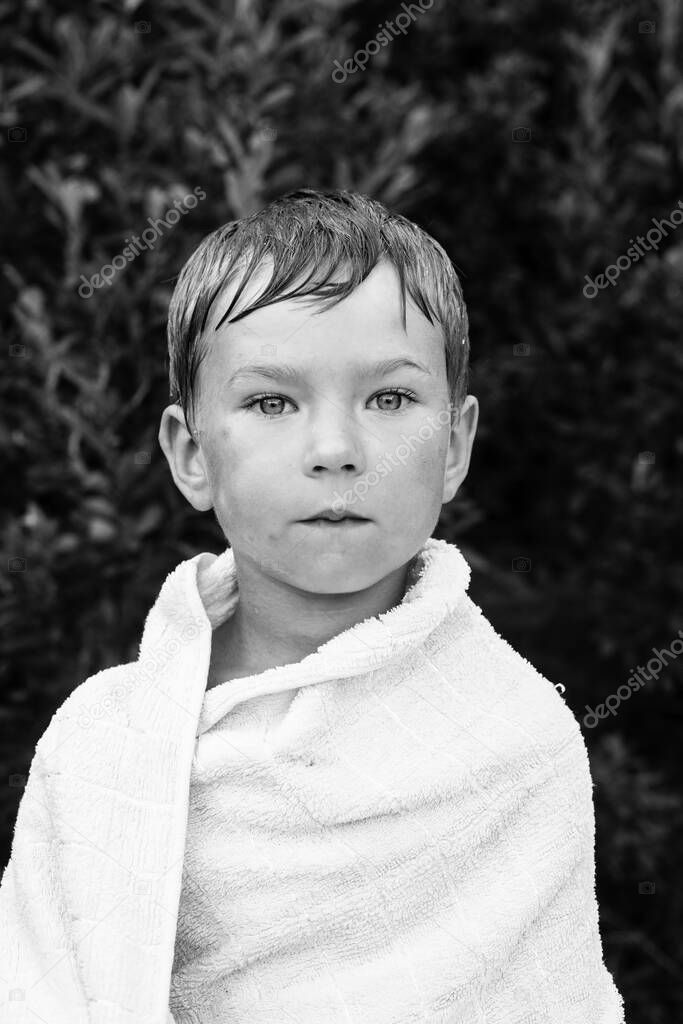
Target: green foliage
[237,99]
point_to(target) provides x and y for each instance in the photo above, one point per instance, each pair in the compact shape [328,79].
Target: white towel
[412,840]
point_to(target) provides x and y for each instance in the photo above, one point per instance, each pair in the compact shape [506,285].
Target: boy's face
[333,431]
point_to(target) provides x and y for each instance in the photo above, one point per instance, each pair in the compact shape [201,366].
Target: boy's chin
[337,576]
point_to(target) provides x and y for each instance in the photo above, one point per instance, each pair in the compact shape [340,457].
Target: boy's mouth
[339,523]
[330,517]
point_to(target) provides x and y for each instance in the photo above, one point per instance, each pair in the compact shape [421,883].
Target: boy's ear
[460,447]
[186,459]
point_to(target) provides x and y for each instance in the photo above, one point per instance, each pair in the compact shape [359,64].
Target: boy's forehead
[375,301]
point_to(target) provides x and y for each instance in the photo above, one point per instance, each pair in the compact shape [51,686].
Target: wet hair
[322,244]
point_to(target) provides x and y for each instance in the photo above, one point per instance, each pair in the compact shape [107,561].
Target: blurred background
[537,141]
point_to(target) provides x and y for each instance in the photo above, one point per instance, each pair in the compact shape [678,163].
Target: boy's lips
[330,515]
[338,524]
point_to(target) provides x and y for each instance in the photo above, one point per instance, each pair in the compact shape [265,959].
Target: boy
[327,790]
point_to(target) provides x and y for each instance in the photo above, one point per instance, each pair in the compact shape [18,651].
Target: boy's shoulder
[482,663]
[96,697]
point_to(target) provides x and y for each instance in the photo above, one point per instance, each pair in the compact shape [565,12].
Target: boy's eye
[272,397]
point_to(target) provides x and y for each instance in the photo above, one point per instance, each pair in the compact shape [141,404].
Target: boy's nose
[335,450]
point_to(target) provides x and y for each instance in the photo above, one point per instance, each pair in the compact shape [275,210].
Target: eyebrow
[286,372]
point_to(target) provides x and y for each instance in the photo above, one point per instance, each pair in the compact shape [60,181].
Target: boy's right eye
[262,398]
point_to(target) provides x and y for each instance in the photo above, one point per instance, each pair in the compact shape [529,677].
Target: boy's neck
[283,625]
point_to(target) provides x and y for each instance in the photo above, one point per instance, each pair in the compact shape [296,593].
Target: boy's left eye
[401,392]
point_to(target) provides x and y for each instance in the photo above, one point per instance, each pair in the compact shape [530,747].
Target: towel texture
[408,837]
